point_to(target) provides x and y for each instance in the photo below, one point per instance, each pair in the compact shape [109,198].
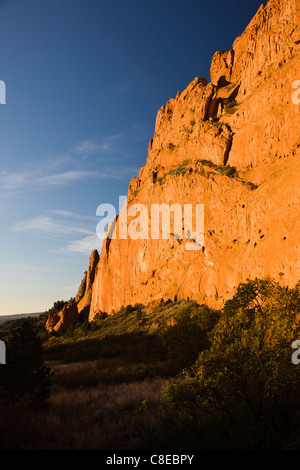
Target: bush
[139,312]
[227,170]
[207,163]
[241,392]
[179,170]
[98,320]
[171,146]
[25,378]
[189,335]
[250,185]
[230,105]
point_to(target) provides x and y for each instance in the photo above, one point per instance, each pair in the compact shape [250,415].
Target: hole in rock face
[222,81]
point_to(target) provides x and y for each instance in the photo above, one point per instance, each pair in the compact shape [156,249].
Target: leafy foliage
[227,170]
[189,334]
[172,146]
[241,392]
[230,105]
[25,377]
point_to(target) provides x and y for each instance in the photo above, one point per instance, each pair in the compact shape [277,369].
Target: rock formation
[233,145]
[60,322]
[61,317]
[81,289]
[243,118]
[84,294]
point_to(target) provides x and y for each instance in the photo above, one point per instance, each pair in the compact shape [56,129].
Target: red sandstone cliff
[244,118]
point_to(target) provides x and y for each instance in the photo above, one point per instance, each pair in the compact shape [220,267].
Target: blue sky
[84,80]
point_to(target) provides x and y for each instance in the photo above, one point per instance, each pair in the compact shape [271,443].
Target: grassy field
[105,385]
[173,376]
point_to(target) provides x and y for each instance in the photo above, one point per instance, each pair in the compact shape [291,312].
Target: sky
[84,81]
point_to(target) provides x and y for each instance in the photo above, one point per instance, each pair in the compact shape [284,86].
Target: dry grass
[94,404]
[105,390]
[83,418]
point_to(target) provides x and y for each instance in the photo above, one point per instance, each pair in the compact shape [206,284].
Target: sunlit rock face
[246,118]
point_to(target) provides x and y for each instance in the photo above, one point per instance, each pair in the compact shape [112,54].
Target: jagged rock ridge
[78,308]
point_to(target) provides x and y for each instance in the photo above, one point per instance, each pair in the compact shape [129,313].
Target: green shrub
[227,170]
[241,392]
[216,123]
[189,335]
[171,146]
[180,169]
[207,163]
[139,312]
[189,130]
[177,171]
[250,185]
[230,105]
[25,379]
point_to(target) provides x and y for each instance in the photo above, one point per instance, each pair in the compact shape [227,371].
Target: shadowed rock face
[52,320]
[82,288]
[61,321]
[244,118]
[77,309]
[84,294]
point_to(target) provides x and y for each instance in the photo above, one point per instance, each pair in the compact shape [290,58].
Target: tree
[190,333]
[242,391]
[25,377]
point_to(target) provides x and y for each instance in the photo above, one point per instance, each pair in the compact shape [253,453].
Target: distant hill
[17,316]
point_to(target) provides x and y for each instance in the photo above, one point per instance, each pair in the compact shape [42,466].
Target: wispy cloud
[85,245]
[63,213]
[106,145]
[11,180]
[23,267]
[15,271]
[65,178]
[44,225]
[76,232]
[72,167]
[68,177]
